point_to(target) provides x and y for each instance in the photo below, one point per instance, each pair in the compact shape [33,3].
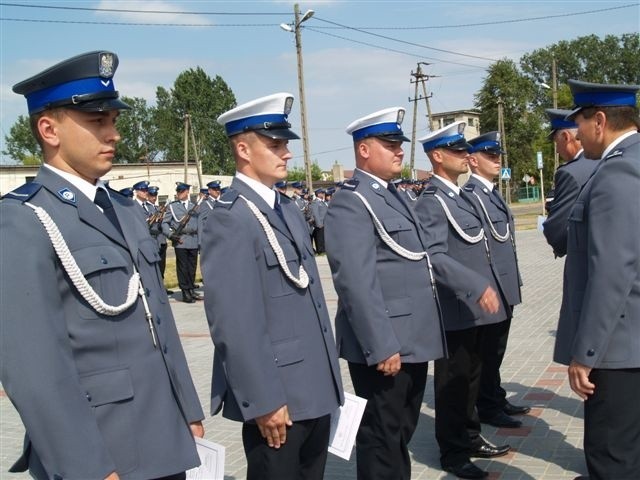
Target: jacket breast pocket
[471,227]
[106,270]
[394,226]
[277,283]
[111,394]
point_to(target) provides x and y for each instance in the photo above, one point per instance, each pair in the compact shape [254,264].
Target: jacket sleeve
[350,240]
[38,371]
[555,226]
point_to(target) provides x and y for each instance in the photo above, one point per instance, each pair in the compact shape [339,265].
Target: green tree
[298,174]
[138,131]
[505,83]
[203,98]
[20,143]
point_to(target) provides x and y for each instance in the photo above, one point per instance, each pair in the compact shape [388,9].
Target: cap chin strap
[70,266]
[303,280]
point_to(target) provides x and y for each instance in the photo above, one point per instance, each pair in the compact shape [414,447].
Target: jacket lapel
[274,220]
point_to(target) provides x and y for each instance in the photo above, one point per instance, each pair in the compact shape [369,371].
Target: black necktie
[278,209]
[103,201]
[392,188]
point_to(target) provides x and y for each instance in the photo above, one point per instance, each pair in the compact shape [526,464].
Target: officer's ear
[47,126]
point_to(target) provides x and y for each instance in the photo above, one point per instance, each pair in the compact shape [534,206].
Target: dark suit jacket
[600,320]
[273,341]
[503,254]
[94,394]
[385,302]
[463,270]
[569,179]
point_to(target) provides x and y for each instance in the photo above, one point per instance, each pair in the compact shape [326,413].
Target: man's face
[563,139]
[141,195]
[590,135]
[151,198]
[85,142]
[454,162]
[182,195]
[384,157]
[214,193]
[267,158]
[485,164]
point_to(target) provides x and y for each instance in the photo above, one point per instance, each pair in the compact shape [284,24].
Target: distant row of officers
[92,360]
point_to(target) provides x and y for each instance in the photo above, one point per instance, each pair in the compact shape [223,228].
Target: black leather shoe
[466,470]
[511,409]
[501,420]
[169,292]
[194,295]
[581,477]
[186,297]
[489,450]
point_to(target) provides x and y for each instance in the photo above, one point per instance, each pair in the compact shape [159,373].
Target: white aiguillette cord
[303,281]
[494,232]
[395,246]
[69,264]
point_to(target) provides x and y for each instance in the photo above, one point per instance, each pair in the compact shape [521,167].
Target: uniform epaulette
[469,187]
[24,192]
[350,184]
[227,199]
[430,190]
[616,153]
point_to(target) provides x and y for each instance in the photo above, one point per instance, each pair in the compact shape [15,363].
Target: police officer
[140,190]
[568,180]
[318,207]
[599,329]
[212,195]
[155,227]
[387,325]
[275,366]
[456,227]
[126,192]
[484,162]
[96,372]
[181,225]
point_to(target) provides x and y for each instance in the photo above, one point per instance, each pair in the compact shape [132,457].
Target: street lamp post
[295,28]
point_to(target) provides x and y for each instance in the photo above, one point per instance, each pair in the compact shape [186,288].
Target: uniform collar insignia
[375,185]
[616,153]
[67,195]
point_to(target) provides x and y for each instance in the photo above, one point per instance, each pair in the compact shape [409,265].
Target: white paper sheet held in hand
[211,461]
[344,425]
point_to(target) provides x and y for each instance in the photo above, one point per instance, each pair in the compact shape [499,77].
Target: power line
[406,42]
[496,22]
[134,24]
[122,10]
[312,29]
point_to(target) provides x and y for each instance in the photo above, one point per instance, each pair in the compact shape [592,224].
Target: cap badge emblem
[105,65]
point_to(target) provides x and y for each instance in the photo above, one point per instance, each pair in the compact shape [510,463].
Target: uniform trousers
[186,264]
[456,384]
[492,397]
[318,238]
[612,425]
[163,258]
[389,420]
[302,457]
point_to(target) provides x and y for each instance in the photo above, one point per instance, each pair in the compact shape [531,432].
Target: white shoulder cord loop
[303,281]
[75,274]
[494,232]
[395,246]
[468,238]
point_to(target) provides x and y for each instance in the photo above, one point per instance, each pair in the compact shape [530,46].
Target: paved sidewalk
[548,446]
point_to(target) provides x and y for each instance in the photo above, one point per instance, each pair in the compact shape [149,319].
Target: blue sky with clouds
[348,73]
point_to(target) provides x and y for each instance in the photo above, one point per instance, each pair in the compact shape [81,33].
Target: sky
[358,56]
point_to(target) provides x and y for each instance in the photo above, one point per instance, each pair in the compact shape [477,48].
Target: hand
[489,301]
[197,429]
[579,380]
[390,366]
[273,426]
[113,476]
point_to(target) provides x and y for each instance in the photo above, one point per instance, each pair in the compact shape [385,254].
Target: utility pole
[195,153]
[421,78]
[303,103]
[505,157]
[554,90]
[186,144]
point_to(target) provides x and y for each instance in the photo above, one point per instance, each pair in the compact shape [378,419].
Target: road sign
[539,158]
[505,174]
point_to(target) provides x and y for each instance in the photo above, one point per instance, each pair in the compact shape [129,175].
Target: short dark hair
[619,117]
